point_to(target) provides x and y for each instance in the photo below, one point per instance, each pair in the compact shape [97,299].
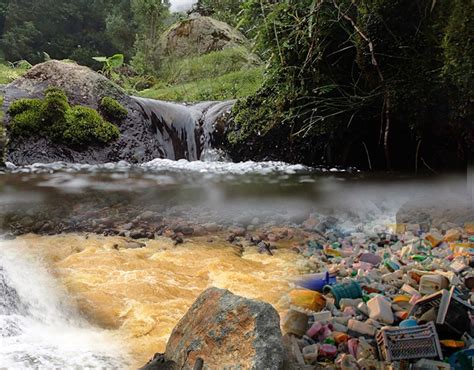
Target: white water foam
[39,329]
[158,165]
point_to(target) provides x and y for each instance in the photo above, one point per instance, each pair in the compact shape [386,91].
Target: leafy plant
[110,64]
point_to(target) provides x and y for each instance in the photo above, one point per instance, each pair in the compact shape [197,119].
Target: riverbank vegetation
[379,84]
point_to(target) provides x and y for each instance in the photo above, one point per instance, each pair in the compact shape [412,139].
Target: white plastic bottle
[380,309]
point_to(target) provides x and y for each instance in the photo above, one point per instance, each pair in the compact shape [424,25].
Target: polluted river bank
[328,259]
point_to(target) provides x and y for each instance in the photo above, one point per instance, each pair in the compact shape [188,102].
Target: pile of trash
[401,299]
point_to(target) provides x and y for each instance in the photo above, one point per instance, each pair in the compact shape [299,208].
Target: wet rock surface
[152,129]
[227,331]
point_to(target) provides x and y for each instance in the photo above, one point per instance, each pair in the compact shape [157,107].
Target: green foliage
[229,86]
[110,64]
[53,117]
[149,16]
[61,28]
[224,10]
[379,73]
[9,73]
[209,65]
[112,109]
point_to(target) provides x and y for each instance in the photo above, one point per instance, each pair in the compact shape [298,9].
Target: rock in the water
[159,362]
[227,331]
[201,35]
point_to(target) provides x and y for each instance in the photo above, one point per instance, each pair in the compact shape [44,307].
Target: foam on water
[39,329]
[159,165]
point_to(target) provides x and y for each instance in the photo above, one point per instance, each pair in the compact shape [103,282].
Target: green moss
[53,117]
[22,105]
[26,124]
[85,126]
[112,109]
[55,106]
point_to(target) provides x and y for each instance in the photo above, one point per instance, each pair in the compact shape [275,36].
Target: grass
[9,74]
[206,66]
[227,74]
[233,85]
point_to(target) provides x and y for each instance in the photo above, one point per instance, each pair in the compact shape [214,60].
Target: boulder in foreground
[227,331]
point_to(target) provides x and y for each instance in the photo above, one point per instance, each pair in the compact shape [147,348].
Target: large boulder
[152,129]
[227,331]
[82,87]
[200,35]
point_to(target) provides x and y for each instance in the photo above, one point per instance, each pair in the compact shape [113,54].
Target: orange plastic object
[451,343]
[401,298]
[469,227]
[434,239]
[308,299]
[340,337]
[402,315]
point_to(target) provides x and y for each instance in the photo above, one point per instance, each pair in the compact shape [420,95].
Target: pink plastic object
[328,350]
[352,345]
[314,330]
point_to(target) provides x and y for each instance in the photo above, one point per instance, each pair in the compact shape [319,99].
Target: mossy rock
[54,118]
[86,126]
[112,109]
[201,35]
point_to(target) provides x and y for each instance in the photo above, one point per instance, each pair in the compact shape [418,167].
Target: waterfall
[184,131]
[38,328]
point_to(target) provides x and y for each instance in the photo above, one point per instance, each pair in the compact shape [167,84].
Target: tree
[353,82]
[149,15]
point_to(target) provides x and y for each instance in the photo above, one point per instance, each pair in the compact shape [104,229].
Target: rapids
[136,295]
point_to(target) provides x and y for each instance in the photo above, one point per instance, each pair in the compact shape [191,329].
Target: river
[77,291]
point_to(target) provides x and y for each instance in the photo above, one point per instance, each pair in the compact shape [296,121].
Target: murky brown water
[140,294]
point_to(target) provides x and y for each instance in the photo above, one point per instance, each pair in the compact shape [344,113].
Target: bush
[53,117]
[112,109]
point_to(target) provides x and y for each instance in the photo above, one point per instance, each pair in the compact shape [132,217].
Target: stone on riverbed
[227,331]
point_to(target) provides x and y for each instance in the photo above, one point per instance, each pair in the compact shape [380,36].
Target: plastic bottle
[310,353]
[380,310]
[431,283]
[361,327]
[295,322]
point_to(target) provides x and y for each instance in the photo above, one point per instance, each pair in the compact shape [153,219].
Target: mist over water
[233,193]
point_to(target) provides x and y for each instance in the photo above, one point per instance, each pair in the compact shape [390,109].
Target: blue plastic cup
[317,282]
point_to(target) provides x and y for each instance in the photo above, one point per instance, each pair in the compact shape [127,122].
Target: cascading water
[38,329]
[184,131]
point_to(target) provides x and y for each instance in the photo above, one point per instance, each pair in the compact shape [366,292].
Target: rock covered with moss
[53,117]
[197,36]
[44,126]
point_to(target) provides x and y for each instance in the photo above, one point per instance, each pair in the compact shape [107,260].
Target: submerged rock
[227,331]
